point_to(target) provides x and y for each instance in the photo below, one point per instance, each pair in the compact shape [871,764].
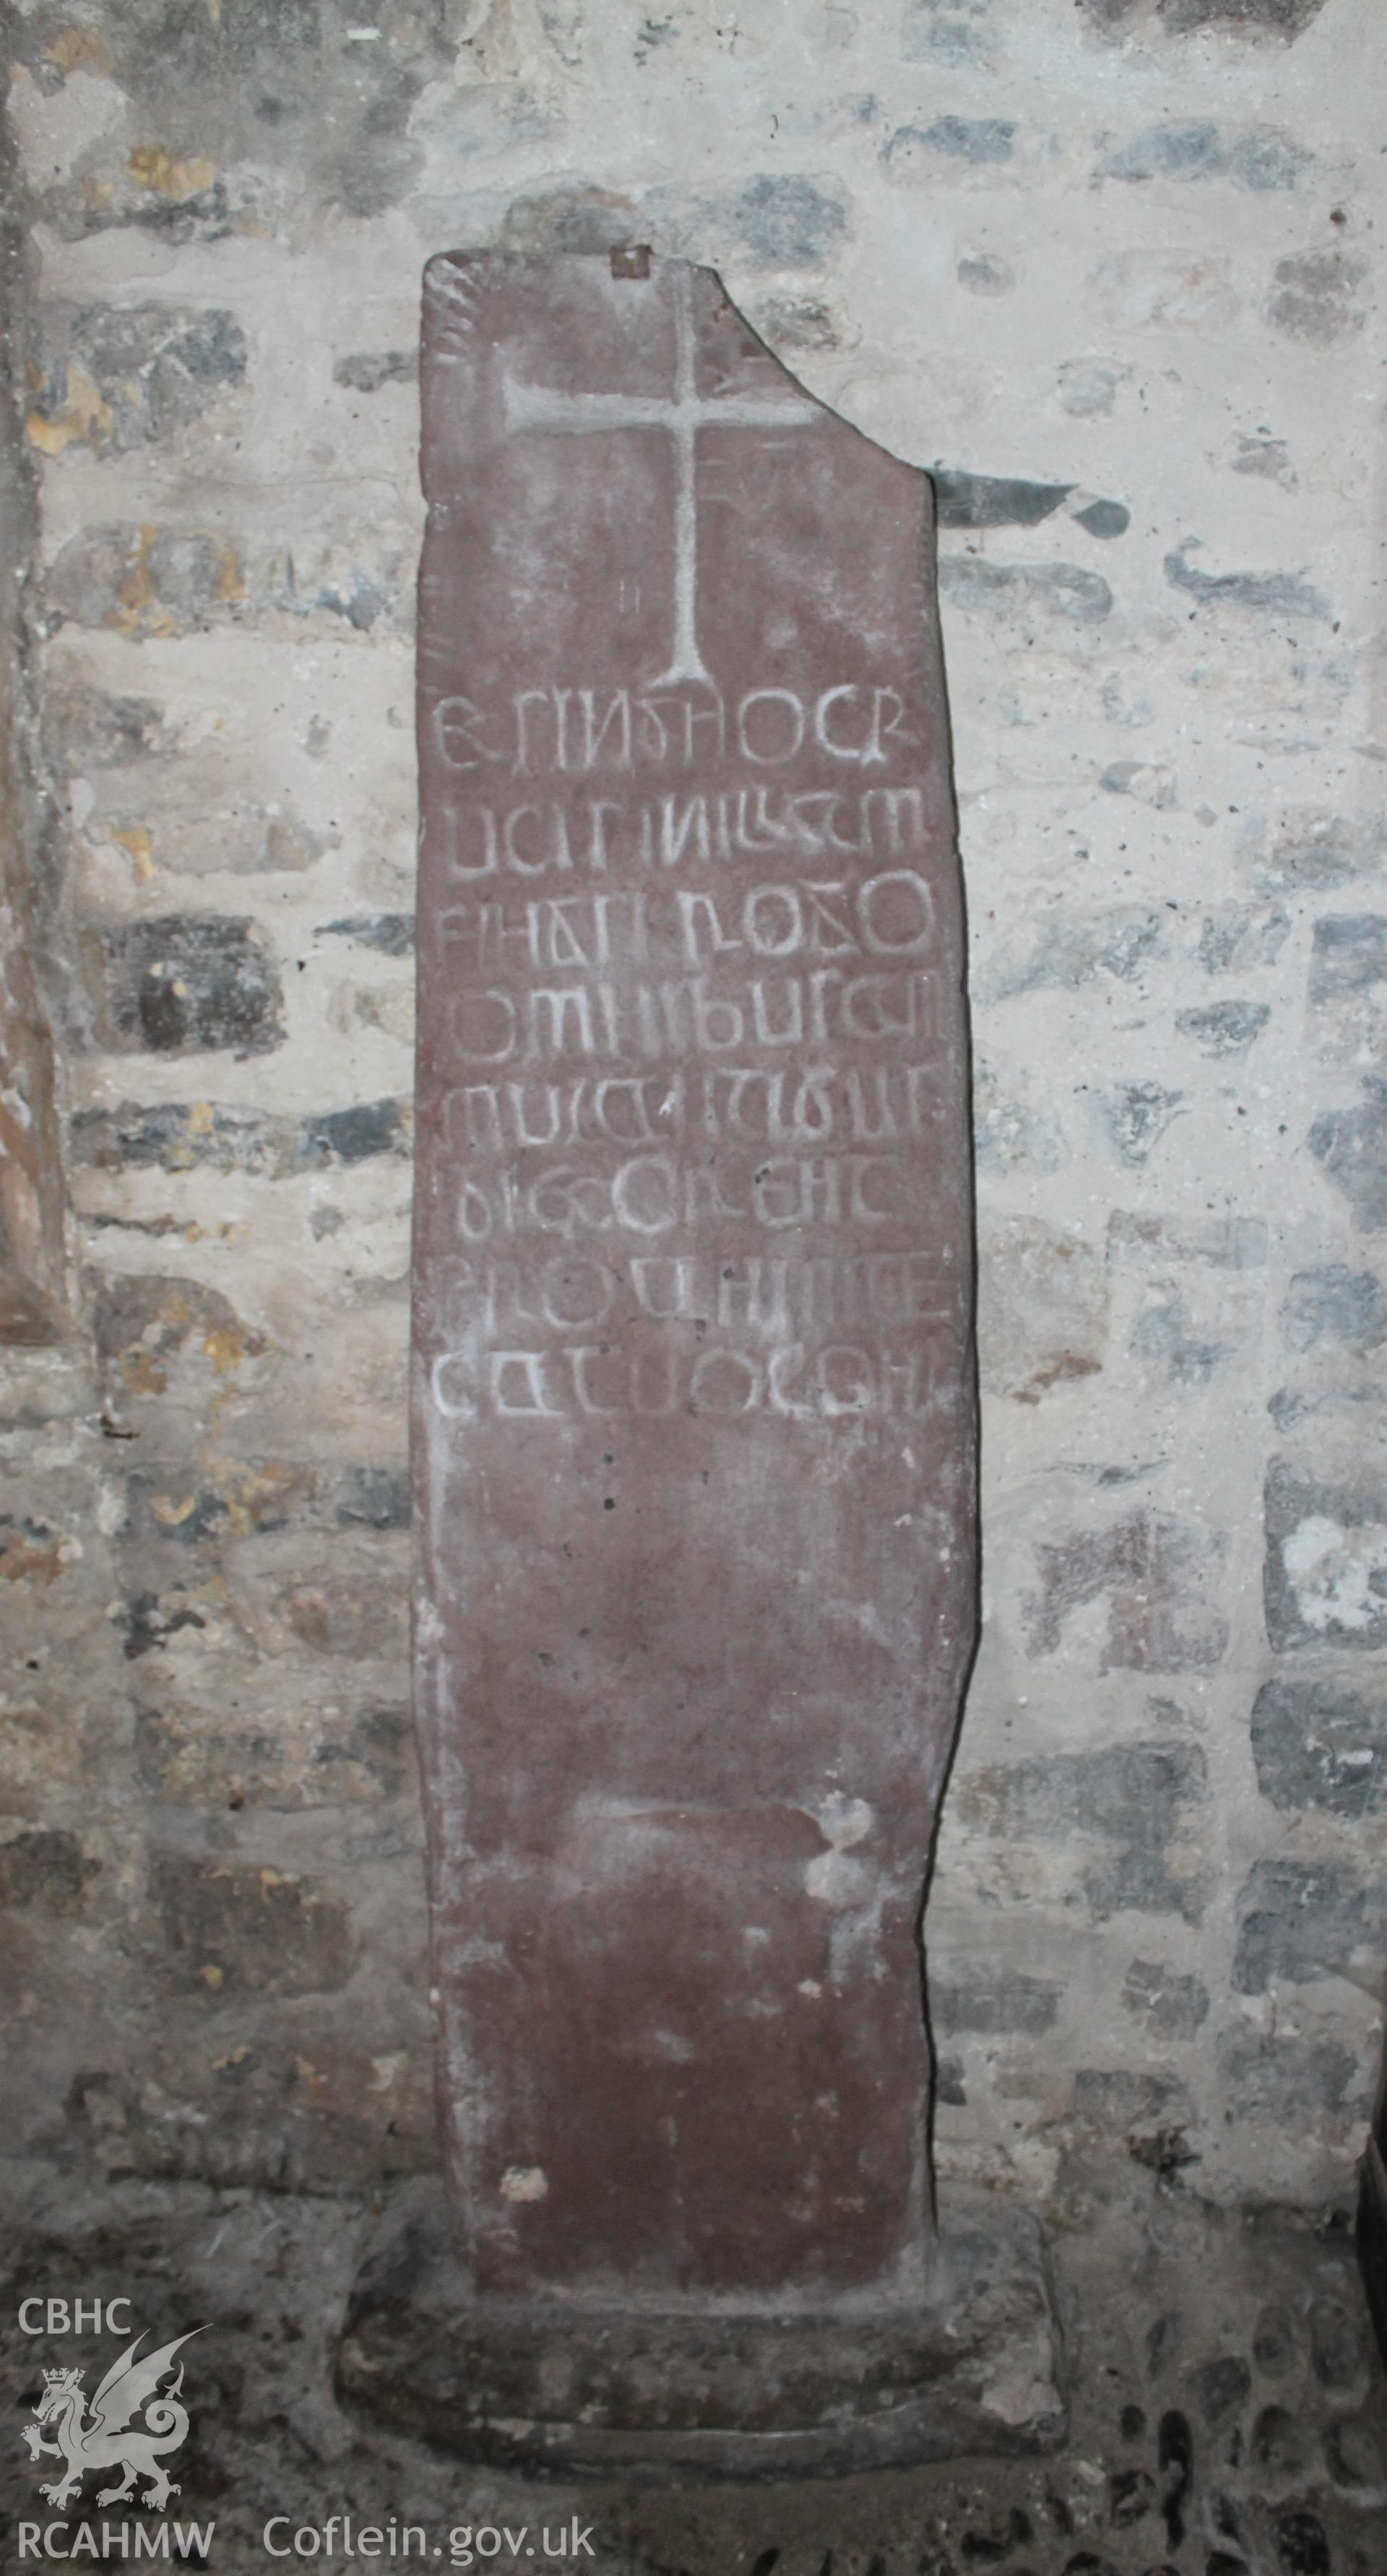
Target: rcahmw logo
[134,2426]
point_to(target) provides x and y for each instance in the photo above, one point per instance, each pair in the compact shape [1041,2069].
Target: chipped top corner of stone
[445,271]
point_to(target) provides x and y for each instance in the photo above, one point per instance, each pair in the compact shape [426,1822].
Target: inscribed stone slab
[694,1386]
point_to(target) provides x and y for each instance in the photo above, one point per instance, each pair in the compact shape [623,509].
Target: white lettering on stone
[846,1381]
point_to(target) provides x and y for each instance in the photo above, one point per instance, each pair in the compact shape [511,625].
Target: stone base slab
[976,2367]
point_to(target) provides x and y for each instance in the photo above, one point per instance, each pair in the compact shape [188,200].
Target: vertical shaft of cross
[687,664]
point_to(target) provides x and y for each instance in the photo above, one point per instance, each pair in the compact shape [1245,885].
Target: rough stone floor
[1229,2413]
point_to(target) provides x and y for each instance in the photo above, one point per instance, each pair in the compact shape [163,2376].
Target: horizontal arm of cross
[541,407]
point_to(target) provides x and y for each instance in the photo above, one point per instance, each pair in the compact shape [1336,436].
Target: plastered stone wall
[1112,270]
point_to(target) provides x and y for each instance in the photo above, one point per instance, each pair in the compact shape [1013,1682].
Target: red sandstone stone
[693,1262]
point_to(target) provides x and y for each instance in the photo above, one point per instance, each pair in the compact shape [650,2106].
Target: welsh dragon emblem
[109,2439]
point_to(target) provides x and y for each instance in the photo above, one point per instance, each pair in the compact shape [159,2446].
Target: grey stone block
[1284,594]
[1325,1574]
[1224,1028]
[1302,1920]
[1260,157]
[242,1930]
[1351,1147]
[1350,955]
[999,2002]
[183,983]
[1171,2007]
[1314,297]
[1280,2081]
[1346,1305]
[1159,1575]
[1318,1743]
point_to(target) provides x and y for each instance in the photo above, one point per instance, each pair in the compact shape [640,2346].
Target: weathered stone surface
[1299,1920]
[975,2367]
[116,378]
[374,1498]
[174,1136]
[952,33]
[366,371]
[1151,782]
[32,1551]
[1279,2445]
[1007,1133]
[1134,1801]
[913,151]
[1320,1743]
[1224,1028]
[149,581]
[1325,1574]
[783,220]
[983,273]
[1042,1310]
[973,2002]
[1171,2006]
[178,822]
[146,580]
[1136,1118]
[157,1335]
[180,1504]
[1149,2112]
[801,322]
[1314,297]
[692,1336]
[1306,846]
[1260,158]
[1281,2082]
[222,2112]
[352,1609]
[1350,955]
[188,981]
[1246,937]
[90,728]
[1220,2385]
[275,86]
[190,1758]
[1335,1302]
[44,1867]
[1351,1147]
[1302,2547]
[236,1497]
[1285,18]
[1163,1337]
[1274,2341]
[967,500]
[1060,590]
[1075,950]
[1132,2492]
[1339,2349]
[1285,594]
[1159,1576]
[570,218]
[392,933]
[1269,459]
[1228,1243]
[236,1929]
[1354,2457]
